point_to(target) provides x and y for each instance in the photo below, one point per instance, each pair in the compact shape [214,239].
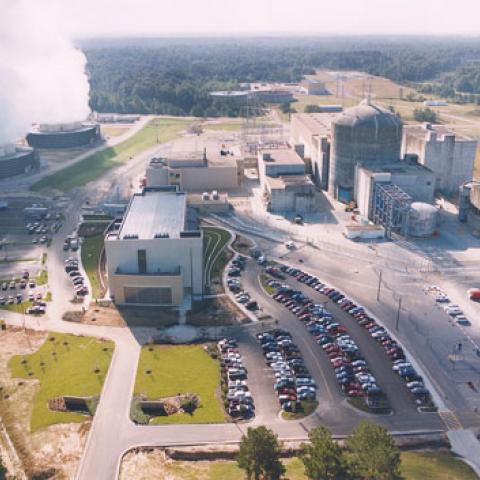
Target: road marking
[304,427]
[450,420]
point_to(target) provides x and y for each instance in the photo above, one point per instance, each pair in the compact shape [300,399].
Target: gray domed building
[365,134]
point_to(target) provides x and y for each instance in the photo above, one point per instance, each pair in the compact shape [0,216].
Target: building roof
[154,212]
[366,113]
[422,131]
[402,166]
[317,123]
[281,156]
[286,181]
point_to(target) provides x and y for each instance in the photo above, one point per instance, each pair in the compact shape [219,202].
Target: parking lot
[333,408]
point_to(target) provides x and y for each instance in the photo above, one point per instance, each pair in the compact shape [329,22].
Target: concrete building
[450,156]
[155,257]
[363,134]
[311,136]
[196,171]
[414,179]
[312,86]
[285,184]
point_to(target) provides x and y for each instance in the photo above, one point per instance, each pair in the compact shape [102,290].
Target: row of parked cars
[351,368]
[293,382]
[71,268]
[393,349]
[22,283]
[451,309]
[236,266]
[234,285]
[239,400]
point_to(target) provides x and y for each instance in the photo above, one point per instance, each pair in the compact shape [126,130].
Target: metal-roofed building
[155,257]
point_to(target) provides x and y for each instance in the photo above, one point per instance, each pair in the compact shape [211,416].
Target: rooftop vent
[131,236]
[161,235]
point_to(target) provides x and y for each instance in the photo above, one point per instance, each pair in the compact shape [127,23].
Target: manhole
[148,372]
[97,370]
[52,339]
[24,361]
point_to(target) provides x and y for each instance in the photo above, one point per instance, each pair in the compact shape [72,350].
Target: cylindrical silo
[365,134]
[422,219]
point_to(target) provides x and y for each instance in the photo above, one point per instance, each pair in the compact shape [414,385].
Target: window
[142,261]
[148,295]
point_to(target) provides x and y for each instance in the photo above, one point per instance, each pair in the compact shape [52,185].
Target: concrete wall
[196,178]
[163,254]
[208,178]
[118,282]
[452,160]
[292,199]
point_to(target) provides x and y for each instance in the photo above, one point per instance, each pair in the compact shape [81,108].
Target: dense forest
[174,76]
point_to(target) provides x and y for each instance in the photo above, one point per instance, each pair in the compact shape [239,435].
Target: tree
[259,455]
[425,115]
[374,455]
[323,458]
[312,109]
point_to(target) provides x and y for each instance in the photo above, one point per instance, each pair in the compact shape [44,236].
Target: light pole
[398,312]
[379,285]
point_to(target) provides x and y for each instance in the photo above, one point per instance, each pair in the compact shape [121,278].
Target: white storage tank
[422,219]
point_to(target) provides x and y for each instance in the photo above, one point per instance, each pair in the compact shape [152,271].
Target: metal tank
[422,219]
[363,134]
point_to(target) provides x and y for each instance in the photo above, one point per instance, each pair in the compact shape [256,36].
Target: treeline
[368,453]
[175,76]
[461,85]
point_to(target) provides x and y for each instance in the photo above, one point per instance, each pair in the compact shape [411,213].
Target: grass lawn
[215,240]
[416,466]
[435,466]
[228,125]
[42,278]
[263,281]
[181,369]
[91,250]
[17,307]
[115,131]
[65,365]
[308,407]
[92,167]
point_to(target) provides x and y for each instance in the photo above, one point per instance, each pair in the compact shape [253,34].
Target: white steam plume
[42,75]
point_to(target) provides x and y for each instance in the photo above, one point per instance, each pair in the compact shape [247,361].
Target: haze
[222,17]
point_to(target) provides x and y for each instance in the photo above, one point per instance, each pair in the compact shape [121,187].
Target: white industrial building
[414,179]
[155,257]
[196,171]
[449,155]
[312,86]
[285,184]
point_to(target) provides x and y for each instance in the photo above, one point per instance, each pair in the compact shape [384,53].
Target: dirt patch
[215,312]
[52,452]
[242,245]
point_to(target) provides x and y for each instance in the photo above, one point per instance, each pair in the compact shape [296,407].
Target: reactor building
[17,159]
[365,134]
[63,135]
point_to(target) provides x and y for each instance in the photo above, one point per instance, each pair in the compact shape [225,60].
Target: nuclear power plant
[17,159]
[362,134]
[63,135]
[364,157]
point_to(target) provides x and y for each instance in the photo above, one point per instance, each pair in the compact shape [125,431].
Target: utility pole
[379,285]
[398,312]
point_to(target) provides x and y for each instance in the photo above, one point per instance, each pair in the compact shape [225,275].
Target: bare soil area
[53,451]
[215,312]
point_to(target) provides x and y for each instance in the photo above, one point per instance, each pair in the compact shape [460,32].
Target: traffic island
[177,384]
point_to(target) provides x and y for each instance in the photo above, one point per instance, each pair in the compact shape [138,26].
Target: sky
[92,18]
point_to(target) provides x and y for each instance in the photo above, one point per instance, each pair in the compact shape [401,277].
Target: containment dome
[422,220]
[363,134]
